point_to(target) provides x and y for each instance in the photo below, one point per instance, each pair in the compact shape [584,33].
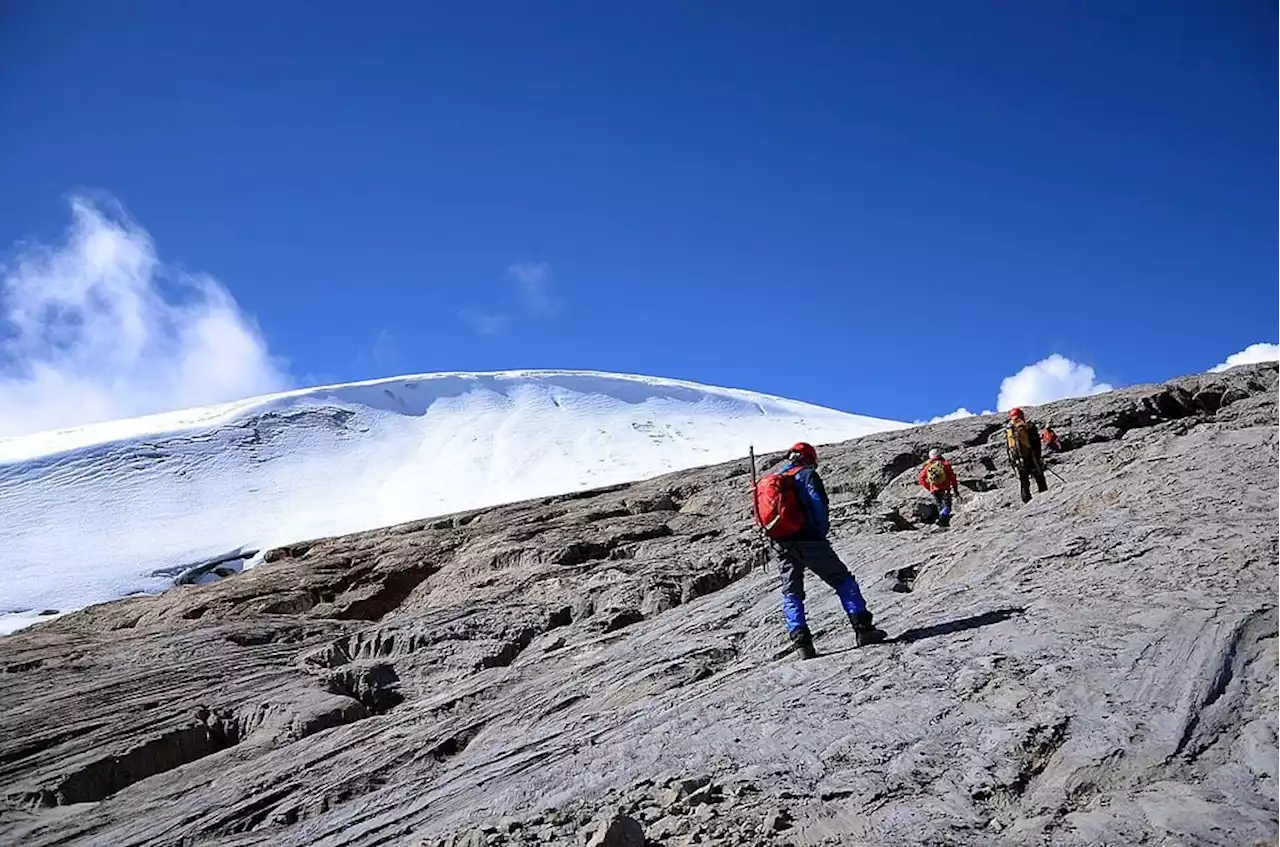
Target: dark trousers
[1025,475]
[794,558]
[943,500]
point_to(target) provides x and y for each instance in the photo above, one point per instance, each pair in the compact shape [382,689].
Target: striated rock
[1096,667]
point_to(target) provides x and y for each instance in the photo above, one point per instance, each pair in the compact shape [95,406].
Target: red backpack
[778,508]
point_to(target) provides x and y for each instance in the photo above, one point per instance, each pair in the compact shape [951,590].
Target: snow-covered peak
[96,512]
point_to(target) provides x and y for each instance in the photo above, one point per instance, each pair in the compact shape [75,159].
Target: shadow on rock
[959,625]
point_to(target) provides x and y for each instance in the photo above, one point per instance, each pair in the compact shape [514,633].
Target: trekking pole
[1055,473]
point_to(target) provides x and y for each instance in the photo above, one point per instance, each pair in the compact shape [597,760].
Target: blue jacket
[813,500]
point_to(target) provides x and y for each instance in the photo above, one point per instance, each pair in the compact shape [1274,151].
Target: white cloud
[484,323]
[958,414]
[1250,355]
[97,328]
[533,278]
[1054,378]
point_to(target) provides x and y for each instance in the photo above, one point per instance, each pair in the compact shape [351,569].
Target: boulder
[617,831]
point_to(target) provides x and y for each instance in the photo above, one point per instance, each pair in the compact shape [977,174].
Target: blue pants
[794,557]
[943,499]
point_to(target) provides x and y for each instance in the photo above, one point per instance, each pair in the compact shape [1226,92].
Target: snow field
[99,512]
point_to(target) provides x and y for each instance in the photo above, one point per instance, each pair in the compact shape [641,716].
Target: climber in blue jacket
[812,495]
[809,549]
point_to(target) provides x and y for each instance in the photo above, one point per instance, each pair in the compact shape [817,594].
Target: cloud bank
[97,328]
[1058,378]
[1053,378]
[1251,355]
[958,414]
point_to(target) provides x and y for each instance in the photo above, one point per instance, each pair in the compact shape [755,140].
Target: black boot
[803,639]
[864,631]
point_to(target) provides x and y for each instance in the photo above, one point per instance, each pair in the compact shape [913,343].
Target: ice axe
[755,506]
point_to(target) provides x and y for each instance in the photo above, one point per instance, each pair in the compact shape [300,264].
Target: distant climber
[939,479]
[1049,441]
[792,507]
[1023,441]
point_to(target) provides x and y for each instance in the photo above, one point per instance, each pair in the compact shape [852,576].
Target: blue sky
[885,208]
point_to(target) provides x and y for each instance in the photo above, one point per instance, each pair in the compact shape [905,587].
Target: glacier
[94,513]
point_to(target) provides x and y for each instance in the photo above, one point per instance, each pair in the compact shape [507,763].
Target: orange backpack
[777,505]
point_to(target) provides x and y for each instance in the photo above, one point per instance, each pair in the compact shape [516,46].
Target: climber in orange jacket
[1049,441]
[939,479]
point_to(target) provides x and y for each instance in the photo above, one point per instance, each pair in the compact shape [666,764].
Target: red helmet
[804,453]
[1015,413]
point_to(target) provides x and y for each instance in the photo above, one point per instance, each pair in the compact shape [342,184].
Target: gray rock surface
[1096,667]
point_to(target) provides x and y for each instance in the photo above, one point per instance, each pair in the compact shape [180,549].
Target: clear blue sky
[885,208]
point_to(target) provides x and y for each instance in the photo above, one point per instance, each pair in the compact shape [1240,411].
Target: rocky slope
[1096,667]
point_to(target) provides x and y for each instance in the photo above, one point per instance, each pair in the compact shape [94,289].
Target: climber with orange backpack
[791,506]
[1025,453]
[939,479]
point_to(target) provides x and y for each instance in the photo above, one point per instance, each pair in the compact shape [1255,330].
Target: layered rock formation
[1096,667]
